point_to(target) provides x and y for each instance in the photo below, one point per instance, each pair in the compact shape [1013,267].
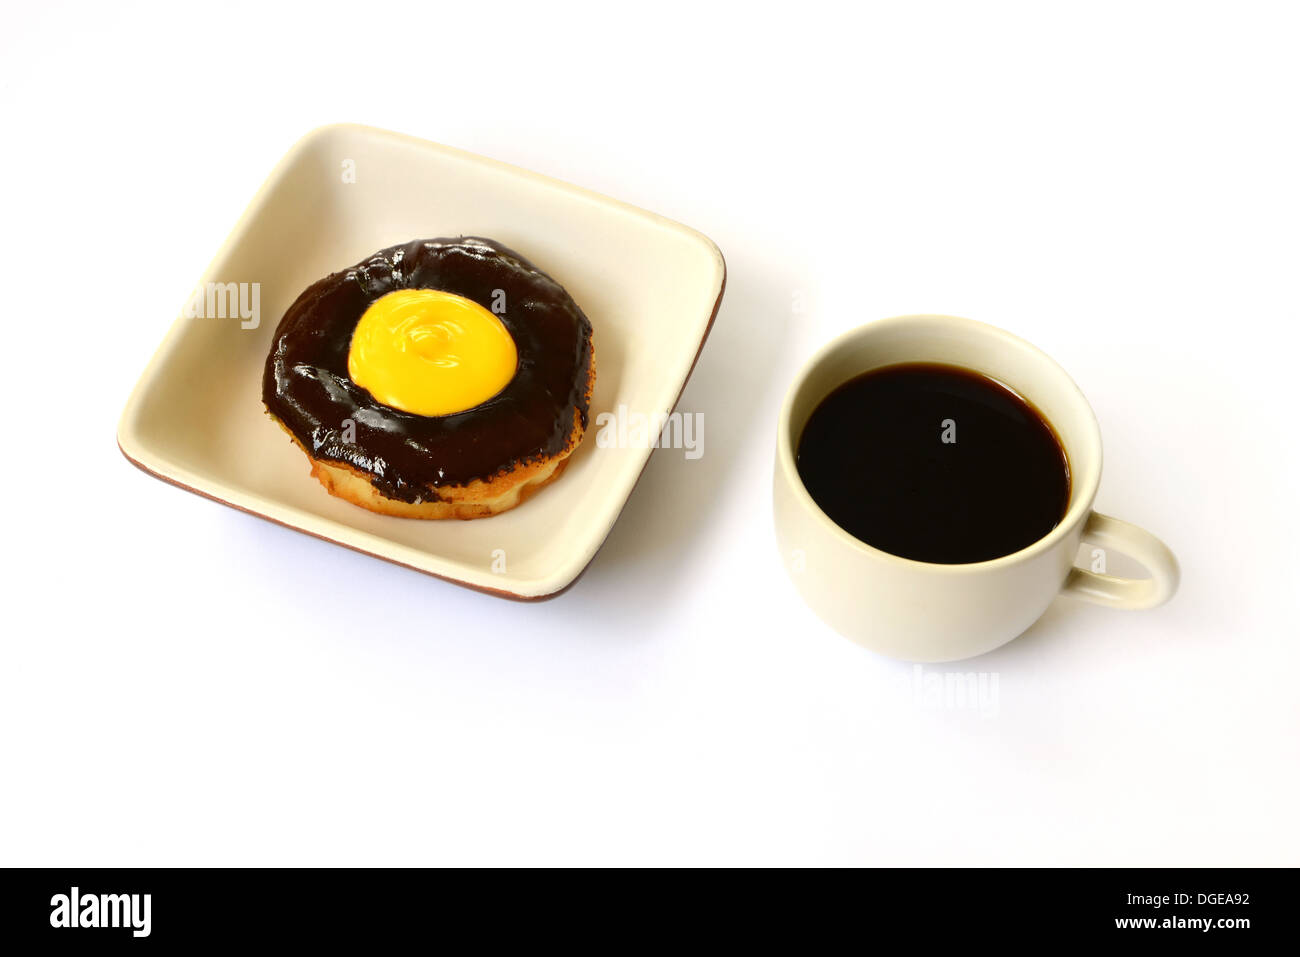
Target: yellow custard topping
[430,352]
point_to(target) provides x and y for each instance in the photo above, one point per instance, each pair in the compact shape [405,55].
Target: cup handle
[1130,593]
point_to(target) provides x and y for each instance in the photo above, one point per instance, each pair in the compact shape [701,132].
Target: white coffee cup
[919,611]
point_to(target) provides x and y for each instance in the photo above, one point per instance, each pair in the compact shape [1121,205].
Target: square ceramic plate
[650,287]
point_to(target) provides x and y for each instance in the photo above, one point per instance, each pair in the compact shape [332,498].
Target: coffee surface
[935,463]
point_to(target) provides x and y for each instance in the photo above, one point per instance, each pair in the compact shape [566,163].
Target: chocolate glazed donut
[407,457]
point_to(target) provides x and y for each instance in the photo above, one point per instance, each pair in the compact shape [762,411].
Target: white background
[184,684]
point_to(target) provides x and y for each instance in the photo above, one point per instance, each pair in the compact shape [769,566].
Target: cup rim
[1080,504]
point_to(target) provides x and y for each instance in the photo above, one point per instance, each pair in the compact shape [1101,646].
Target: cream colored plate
[651,288]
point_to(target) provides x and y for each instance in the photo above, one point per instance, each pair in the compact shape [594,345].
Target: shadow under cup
[917,610]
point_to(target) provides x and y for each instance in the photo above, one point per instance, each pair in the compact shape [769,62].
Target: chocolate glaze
[407,457]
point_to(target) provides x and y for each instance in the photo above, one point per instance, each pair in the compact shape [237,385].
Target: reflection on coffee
[935,463]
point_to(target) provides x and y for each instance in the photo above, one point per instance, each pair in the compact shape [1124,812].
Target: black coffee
[934,463]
